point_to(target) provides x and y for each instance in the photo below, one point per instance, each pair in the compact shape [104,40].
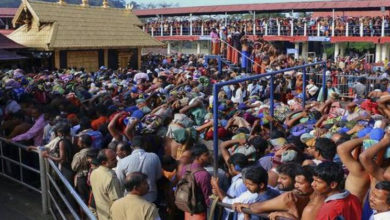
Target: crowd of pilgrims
[125,139]
[372,26]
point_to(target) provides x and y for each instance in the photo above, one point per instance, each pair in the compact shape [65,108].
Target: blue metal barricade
[218,86]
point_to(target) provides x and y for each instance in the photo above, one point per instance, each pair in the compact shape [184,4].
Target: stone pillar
[296,55]
[318,29]
[333,27]
[305,49]
[342,49]
[57,59]
[191,24]
[305,29]
[385,52]
[254,23]
[383,27]
[198,47]
[169,48]
[336,50]
[377,53]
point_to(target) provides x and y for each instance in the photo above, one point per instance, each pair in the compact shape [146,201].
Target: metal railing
[262,216]
[271,75]
[56,191]
[272,28]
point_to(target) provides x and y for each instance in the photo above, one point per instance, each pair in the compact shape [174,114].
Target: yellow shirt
[106,189]
[133,207]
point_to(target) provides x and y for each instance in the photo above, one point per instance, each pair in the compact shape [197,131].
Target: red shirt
[95,124]
[343,205]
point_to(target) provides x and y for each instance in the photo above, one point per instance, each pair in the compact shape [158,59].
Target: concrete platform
[19,203]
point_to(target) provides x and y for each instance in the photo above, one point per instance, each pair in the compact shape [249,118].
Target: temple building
[82,35]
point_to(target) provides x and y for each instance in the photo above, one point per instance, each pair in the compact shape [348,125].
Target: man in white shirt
[256,181]
[380,201]
[235,163]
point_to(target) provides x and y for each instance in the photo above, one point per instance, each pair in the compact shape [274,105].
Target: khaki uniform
[133,207]
[106,189]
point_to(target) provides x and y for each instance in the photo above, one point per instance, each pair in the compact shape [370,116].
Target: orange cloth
[229,54]
[235,57]
[215,48]
[200,216]
[256,66]
[95,124]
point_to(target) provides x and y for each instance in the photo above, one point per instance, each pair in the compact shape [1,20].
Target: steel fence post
[215,128]
[304,88]
[42,169]
[324,83]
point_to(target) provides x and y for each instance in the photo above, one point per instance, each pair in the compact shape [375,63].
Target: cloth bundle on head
[11,84]
[277,143]
[182,135]
[222,133]
[183,120]
[288,156]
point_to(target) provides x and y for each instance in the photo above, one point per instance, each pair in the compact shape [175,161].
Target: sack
[188,196]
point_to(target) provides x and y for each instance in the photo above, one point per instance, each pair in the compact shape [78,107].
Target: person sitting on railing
[133,205]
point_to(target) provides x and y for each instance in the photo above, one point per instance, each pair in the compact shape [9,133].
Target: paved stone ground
[19,203]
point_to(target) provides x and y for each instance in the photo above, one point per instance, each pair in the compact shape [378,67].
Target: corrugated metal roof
[6,43]
[7,12]
[6,32]
[266,7]
[350,13]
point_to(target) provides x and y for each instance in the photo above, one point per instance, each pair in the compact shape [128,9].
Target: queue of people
[372,26]
[138,144]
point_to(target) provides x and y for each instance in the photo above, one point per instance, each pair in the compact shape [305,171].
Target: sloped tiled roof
[71,26]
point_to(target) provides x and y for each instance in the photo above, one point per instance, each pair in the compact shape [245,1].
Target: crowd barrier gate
[54,188]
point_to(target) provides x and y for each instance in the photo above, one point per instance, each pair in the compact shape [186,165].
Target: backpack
[188,196]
